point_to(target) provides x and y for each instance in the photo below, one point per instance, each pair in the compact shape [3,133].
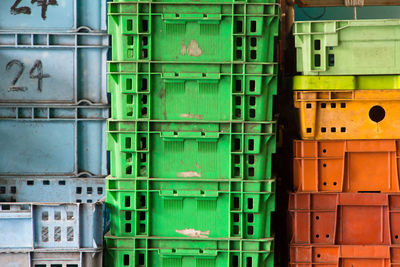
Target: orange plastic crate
[346,166]
[345,218]
[344,256]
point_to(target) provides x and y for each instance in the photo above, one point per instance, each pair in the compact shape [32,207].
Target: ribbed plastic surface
[191,150]
[53,140]
[189,252]
[177,208]
[193,32]
[351,47]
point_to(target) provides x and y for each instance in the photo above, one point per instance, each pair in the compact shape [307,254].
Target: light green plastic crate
[190,94]
[353,47]
[214,32]
[178,208]
[198,150]
[121,252]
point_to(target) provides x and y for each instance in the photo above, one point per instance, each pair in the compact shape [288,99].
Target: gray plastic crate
[53,140]
[53,68]
[45,258]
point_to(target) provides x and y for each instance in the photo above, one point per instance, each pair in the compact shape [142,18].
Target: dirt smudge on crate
[183,48]
[194,233]
[191,116]
[194,49]
[197,166]
[188,174]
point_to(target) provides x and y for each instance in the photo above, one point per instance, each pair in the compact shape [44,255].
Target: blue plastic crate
[51,258]
[43,68]
[51,225]
[51,189]
[53,140]
[60,15]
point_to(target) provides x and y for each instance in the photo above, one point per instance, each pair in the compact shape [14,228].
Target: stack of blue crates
[53,111]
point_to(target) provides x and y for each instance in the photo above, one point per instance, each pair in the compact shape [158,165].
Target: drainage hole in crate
[143,143]
[45,234]
[343,105]
[45,216]
[235,261]
[253,26]
[79,190]
[2,189]
[237,144]
[142,201]
[396,236]
[327,236]
[251,172]
[70,233]
[141,259]
[249,262]
[142,216]
[46,182]
[250,203]
[13,190]
[236,159]
[238,113]
[238,100]
[318,255]
[252,101]
[252,113]
[253,54]
[251,159]
[333,105]
[343,129]
[252,86]
[62,182]
[145,25]
[323,105]
[30,182]
[128,215]
[89,190]
[377,113]
[144,112]
[317,235]
[143,157]
[126,260]
[142,228]
[317,44]
[308,105]
[324,150]
[69,265]
[324,165]
[70,215]
[129,170]
[127,201]
[317,218]
[145,40]
[235,230]
[238,54]
[144,99]
[250,217]
[236,204]
[308,130]
[5,207]
[253,41]
[99,190]
[317,60]
[251,144]
[236,171]
[331,60]
[235,217]
[239,26]
[238,86]
[250,230]
[57,234]
[325,183]
[239,41]
[333,129]
[323,130]
[128,228]
[89,201]
[129,25]
[334,183]
[57,216]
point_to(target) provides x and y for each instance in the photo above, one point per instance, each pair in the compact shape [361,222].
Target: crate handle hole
[250,217]
[317,60]
[249,262]
[253,41]
[239,41]
[253,54]
[239,26]
[250,203]
[141,259]
[235,261]
[238,85]
[253,26]
[377,113]
[235,217]
[317,44]
[126,260]
[127,201]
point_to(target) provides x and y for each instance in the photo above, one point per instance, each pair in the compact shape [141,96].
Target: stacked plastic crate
[191,135]
[345,209]
[53,111]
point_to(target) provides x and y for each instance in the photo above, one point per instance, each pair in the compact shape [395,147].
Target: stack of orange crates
[345,208]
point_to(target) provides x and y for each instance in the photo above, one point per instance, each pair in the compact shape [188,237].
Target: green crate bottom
[156,252]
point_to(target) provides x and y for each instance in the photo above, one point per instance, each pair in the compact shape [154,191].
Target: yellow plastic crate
[314,83]
[349,114]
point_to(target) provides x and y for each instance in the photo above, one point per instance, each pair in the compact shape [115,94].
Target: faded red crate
[346,166]
[345,218]
[344,256]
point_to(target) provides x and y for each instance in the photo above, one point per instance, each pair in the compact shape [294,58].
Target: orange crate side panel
[346,166]
[345,218]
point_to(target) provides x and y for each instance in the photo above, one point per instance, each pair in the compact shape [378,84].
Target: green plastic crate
[172,95]
[354,47]
[199,150]
[178,208]
[165,32]
[121,252]
[191,2]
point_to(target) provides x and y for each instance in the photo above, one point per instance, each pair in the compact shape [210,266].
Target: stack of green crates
[191,136]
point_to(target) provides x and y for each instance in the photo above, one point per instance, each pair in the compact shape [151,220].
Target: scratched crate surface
[214,93]
[177,208]
[191,252]
[201,32]
[52,15]
[63,140]
[198,150]
[53,68]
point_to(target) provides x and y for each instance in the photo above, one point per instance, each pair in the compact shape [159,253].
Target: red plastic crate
[345,218]
[344,256]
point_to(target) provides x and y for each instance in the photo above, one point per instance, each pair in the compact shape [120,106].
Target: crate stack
[53,111]
[191,135]
[345,208]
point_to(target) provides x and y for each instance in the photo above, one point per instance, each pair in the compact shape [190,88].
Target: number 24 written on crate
[16,9]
